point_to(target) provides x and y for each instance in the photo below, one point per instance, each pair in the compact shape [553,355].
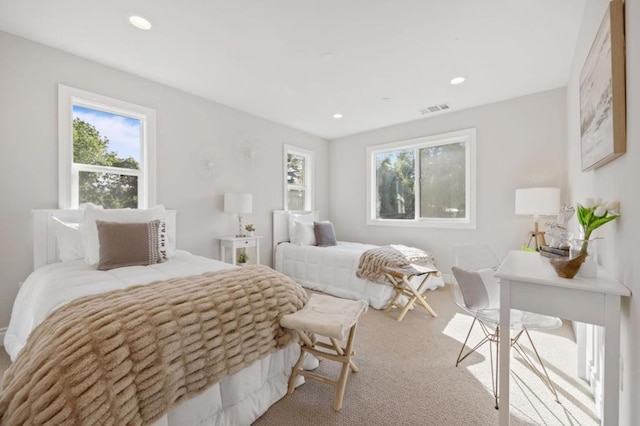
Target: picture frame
[602,93]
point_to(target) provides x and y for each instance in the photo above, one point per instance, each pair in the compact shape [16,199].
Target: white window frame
[468,136]
[308,174]
[69,172]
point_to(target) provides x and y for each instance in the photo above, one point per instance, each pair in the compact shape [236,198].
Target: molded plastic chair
[476,290]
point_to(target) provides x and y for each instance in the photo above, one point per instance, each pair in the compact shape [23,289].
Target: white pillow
[293,218]
[90,231]
[305,234]
[69,239]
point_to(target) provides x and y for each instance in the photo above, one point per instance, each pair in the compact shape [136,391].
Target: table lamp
[537,202]
[238,204]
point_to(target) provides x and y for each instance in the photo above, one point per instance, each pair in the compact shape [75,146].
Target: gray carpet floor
[408,377]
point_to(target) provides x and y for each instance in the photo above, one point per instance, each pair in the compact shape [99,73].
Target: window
[106,151]
[298,173]
[428,182]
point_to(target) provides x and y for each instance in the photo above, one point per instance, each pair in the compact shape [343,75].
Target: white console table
[529,283]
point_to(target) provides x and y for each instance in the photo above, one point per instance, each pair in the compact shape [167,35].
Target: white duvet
[333,269]
[237,400]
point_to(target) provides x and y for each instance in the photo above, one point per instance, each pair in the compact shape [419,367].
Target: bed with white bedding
[330,269]
[236,399]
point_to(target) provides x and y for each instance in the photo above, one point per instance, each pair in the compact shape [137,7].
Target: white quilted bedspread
[237,399]
[332,270]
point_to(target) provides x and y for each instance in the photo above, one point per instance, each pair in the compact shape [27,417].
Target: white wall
[187,126]
[520,143]
[618,180]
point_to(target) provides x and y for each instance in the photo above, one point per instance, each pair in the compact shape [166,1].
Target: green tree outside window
[111,190]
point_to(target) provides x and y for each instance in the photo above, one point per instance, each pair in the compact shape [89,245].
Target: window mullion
[75,187]
[105,169]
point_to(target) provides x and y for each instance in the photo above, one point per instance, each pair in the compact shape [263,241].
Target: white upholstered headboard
[281,225]
[45,246]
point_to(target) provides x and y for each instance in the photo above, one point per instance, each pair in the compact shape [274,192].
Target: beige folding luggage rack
[401,277]
[335,319]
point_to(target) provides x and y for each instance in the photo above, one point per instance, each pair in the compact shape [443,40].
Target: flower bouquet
[592,215]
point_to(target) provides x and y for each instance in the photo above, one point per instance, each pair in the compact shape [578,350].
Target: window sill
[439,224]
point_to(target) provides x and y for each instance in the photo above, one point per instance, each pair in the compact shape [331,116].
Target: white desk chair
[477,291]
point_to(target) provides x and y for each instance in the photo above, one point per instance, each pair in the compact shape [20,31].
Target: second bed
[331,269]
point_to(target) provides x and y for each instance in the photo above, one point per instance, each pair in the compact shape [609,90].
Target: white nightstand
[235,243]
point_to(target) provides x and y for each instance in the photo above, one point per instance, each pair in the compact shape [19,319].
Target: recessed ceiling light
[457,80]
[337,115]
[139,22]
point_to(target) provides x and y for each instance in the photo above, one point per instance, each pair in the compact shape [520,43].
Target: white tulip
[613,206]
[597,201]
[589,203]
[600,211]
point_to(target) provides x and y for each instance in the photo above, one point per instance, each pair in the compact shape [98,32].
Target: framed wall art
[602,93]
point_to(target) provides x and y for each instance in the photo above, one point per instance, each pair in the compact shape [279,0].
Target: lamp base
[538,240]
[240,233]
[537,237]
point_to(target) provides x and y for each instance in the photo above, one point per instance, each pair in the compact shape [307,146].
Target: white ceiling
[297,62]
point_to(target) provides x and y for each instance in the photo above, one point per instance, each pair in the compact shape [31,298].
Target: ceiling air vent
[434,108]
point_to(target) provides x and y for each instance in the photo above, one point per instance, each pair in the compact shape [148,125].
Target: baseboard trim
[448,278]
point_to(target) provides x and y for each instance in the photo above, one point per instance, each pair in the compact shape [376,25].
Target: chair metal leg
[484,340]
[494,338]
[544,375]
[458,360]
[488,337]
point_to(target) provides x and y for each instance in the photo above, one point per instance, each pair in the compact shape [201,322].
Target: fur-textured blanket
[372,261]
[128,356]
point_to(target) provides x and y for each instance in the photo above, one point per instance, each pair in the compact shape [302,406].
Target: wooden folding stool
[333,318]
[400,277]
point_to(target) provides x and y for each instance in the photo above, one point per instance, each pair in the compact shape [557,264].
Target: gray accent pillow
[128,244]
[473,289]
[325,234]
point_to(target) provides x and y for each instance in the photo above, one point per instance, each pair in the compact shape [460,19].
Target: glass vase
[589,268]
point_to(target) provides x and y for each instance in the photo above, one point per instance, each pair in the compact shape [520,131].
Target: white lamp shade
[537,201]
[238,203]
